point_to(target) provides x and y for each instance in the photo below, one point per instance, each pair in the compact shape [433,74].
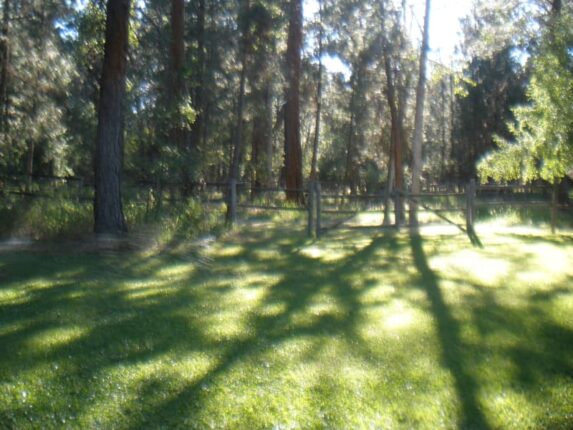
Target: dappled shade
[266,329]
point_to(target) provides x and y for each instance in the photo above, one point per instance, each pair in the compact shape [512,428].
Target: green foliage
[543,129]
[56,216]
[41,74]
[187,219]
[492,86]
[60,215]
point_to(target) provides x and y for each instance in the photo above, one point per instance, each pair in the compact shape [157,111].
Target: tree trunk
[397,125]
[108,210]
[237,151]
[389,186]
[176,88]
[350,168]
[268,164]
[262,127]
[396,139]
[314,161]
[238,136]
[197,132]
[30,165]
[4,67]
[293,150]
[419,119]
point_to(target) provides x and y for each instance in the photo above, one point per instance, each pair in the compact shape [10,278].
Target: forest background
[218,89]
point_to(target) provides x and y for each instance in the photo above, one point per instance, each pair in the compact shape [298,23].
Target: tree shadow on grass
[125,329]
[304,278]
[117,327]
[448,331]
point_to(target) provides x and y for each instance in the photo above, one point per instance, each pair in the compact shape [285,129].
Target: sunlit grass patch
[360,329]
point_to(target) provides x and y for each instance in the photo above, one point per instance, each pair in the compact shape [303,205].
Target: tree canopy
[216,89]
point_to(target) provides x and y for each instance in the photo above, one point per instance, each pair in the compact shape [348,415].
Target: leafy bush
[60,216]
[46,217]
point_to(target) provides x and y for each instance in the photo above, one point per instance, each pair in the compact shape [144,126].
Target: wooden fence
[470,198]
[318,204]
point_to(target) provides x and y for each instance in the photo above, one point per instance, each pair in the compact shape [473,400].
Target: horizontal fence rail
[327,207]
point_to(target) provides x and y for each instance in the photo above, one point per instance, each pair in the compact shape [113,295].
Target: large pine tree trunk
[419,119]
[108,211]
[293,150]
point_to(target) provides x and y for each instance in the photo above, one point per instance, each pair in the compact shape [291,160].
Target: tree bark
[419,119]
[4,67]
[30,165]
[349,170]
[396,129]
[261,137]
[176,51]
[238,137]
[176,88]
[237,150]
[396,135]
[293,150]
[108,210]
[198,128]
[314,161]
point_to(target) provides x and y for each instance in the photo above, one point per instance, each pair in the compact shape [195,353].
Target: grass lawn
[264,328]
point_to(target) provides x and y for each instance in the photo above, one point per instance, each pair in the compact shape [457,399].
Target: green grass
[266,329]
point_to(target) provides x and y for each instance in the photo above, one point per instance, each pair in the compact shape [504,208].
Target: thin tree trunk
[197,133]
[396,139]
[397,125]
[238,137]
[314,161]
[452,136]
[237,151]
[108,210]
[389,186]
[177,49]
[4,67]
[261,135]
[234,171]
[176,88]
[349,168]
[268,148]
[419,119]
[30,165]
[445,119]
[293,150]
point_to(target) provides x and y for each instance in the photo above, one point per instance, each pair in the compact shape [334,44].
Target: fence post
[470,204]
[318,208]
[310,207]
[232,201]
[554,208]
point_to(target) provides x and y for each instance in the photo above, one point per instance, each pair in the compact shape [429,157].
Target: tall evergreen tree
[293,149]
[108,210]
[419,118]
